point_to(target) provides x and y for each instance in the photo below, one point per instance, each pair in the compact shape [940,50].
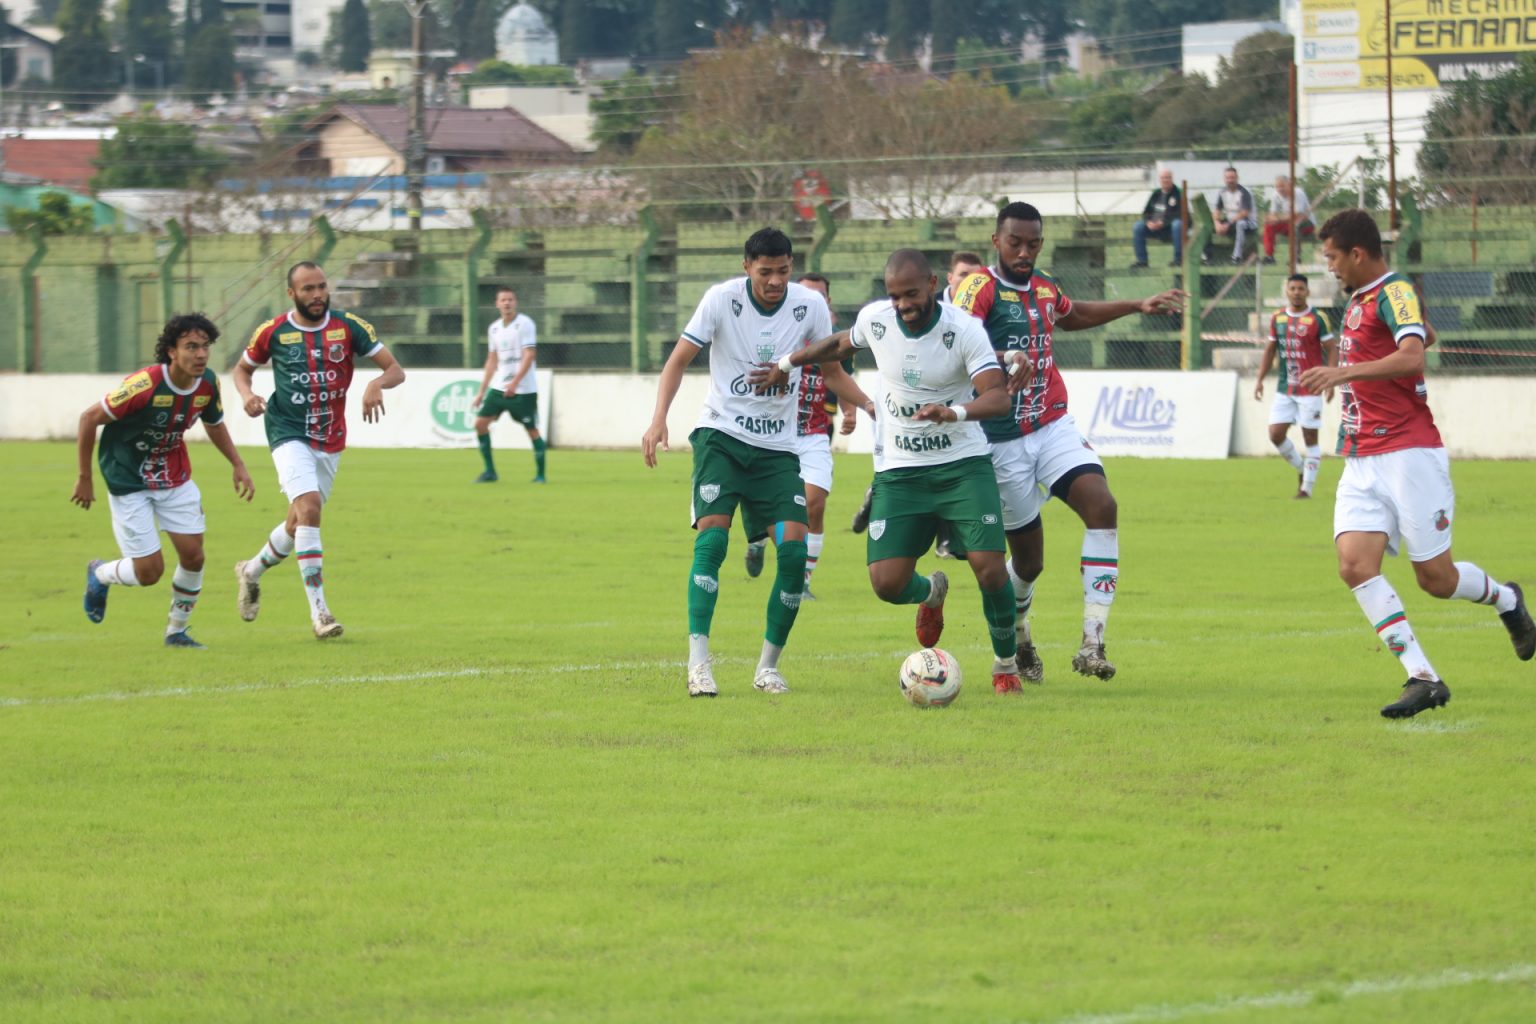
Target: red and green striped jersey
[1383,415]
[1021,317]
[312,369]
[1298,339]
[817,404]
[142,449]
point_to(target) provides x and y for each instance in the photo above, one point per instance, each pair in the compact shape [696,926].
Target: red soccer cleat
[930,614]
[1006,682]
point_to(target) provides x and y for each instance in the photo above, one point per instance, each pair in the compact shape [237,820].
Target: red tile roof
[459,131]
[56,161]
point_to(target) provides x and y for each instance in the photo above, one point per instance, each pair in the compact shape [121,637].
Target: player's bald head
[908,260]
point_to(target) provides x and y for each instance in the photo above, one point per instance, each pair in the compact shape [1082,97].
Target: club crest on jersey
[912,375]
[877,329]
[709,492]
[948,339]
[800,312]
[1353,319]
[877,529]
[336,352]
[765,351]
[735,307]
[1441,522]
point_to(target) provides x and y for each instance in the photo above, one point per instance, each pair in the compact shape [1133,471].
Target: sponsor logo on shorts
[877,529]
[800,312]
[1442,522]
[708,584]
[989,519]
[800,500]
[709,492]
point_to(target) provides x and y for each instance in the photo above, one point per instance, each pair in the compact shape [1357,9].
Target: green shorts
[522,408]
[910,503]
[728,472]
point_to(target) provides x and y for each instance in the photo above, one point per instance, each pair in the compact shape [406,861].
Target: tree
[147,152]
[851,21]
[146,31]
[56,214]
[356,38]
[1478,141]
[210,55]
[904,23]
[83,67]
[7,55]
[625,108]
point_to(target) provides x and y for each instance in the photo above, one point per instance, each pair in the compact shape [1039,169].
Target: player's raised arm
[91,420]
[655,435]
[1085,315]
[992,399]
[392,377]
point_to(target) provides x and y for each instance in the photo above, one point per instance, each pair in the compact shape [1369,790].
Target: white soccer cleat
[769,680]
[247,593]
[701,680]
[326,626]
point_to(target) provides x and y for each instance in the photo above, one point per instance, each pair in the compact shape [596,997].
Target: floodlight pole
[1291,131]
[1391,138]
[415,144]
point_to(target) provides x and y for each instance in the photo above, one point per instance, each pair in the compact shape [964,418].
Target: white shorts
[1302,410]
[1027,466]
[138,518]
[815,451]
[1405,494]
[301,469]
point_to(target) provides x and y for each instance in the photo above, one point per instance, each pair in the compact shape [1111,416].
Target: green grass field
[492,800]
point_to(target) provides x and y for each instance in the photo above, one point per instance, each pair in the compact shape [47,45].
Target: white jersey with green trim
[509,341]
[741,334]
[930,366]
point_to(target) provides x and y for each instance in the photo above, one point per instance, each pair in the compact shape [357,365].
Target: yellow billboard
[1433,42]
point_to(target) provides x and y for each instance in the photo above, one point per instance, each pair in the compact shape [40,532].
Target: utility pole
[1391,135]
[416,136]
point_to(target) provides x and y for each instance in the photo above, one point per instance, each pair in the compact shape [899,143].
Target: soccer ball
[930,678]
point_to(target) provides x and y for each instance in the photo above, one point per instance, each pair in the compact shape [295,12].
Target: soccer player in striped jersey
[312,350]
[148,473]
[1303,338]
[1396,486]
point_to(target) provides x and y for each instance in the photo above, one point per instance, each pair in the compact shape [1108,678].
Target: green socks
[788,587]
[704,578]
[485,452]
[539,448]
[916,591]
[999,610]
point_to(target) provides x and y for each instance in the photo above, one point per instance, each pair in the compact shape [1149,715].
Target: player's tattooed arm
[92,419]
[837,347]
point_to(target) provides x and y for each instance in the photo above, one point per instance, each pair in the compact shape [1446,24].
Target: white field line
[404,677]
[1321,995]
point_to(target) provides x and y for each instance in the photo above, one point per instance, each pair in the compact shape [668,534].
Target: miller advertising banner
[1433,42]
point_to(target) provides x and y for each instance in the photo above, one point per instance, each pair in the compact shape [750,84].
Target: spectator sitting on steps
[1233,216]
[1278,220]
[1160,219]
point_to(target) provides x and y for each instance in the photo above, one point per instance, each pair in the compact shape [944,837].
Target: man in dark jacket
[1161,219]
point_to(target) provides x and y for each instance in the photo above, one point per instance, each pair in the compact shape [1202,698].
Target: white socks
[1309,467]
[279,546]
[186,585]
[119,572]
[1384,609]
[698,649]
[1477,586]
[812,553]
[770,656]
[1289,453]
[306,541]
[1101,576]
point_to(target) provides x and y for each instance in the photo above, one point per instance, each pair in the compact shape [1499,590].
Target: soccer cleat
[701,680]
[487,478]
[861,517]
[806,595]
[768,680]
[182,640]
[326,626]
[930,614]
[1005,676]
[1090,661]
[1418,695]
[95,593]
[539,479]
[755,559]
[1031,668]
[1301,495]
[1522,631]
[247,593]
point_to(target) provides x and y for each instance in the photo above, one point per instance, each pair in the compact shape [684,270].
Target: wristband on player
[786,365]
[959,413]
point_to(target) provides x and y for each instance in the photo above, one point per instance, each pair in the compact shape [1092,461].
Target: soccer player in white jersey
[962,264]
[744,444]
[938,375]
[510,384]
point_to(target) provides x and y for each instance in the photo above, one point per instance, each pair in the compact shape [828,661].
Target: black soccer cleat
[1522,631]
[861,517]
[1418,695]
